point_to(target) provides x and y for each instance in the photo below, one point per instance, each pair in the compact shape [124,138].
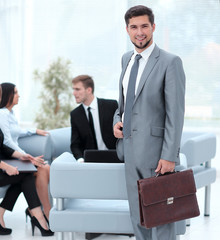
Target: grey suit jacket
[158,111]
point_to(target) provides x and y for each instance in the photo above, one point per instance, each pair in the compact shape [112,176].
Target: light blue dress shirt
[11,129]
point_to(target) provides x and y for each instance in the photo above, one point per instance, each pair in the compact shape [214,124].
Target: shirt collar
[146,53]
[93,104]
[8,110]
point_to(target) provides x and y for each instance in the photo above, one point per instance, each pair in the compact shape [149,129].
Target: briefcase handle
[166,173]
[157,174]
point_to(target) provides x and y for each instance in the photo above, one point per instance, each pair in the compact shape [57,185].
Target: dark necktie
[130,97]
[91,123]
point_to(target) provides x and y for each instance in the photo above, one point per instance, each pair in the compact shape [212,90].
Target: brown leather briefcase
[167,198]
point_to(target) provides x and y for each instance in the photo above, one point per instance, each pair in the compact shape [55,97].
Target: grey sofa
[60,138]
[199,149]
[37,145]
[90,197]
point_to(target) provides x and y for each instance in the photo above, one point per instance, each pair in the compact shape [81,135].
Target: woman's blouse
[11,130]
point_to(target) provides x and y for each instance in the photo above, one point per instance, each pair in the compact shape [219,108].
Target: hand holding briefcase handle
[173,200]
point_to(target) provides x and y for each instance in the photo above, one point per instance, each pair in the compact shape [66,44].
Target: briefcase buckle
[170,200]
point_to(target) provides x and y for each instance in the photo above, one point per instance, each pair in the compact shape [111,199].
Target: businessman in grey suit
[149,133]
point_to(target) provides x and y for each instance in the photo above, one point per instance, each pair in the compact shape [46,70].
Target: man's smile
[140,38]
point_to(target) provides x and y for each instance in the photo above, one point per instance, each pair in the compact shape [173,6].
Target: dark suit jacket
[81,137]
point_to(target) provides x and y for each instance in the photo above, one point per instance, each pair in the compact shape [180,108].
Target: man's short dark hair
[86,80]
[137,11]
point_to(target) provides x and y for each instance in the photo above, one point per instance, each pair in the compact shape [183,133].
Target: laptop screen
[102,156]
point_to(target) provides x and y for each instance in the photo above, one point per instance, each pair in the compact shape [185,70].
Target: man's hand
[118,130]
[165,166]
[80,160]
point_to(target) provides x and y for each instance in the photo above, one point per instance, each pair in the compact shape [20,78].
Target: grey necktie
[130,97]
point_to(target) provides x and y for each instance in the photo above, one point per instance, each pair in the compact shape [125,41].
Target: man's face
[81,93]
[140,32]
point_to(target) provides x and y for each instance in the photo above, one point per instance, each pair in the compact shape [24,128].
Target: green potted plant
[56,95]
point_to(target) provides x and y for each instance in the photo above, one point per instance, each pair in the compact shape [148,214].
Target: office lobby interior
[38,38]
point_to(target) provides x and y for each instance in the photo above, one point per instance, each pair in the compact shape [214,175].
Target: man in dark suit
[84,135]
[102,112]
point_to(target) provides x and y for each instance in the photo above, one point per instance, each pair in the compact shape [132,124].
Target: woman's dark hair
[137,11]
[7,94]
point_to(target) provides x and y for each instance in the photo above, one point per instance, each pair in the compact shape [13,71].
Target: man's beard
[143,46]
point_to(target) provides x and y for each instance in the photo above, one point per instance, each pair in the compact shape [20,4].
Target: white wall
[92,35]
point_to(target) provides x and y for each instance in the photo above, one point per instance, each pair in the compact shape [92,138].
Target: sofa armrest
[183,163]
[199,149]
[70,179]
[37,145]
[61,141]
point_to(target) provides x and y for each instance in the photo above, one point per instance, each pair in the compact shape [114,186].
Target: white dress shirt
[95,114]
[142,63]
[11,129]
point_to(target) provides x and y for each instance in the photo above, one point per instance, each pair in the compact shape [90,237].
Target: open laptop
[23,166]
[102,156]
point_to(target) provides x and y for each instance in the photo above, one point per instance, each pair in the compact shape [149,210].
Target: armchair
[61,141]
[90,197]
[199,148]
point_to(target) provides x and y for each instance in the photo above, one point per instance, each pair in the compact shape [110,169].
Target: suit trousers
[24,182]
[132,170]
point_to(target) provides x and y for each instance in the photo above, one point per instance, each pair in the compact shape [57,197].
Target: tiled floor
[202,228]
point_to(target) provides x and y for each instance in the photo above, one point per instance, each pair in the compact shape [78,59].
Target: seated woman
[20,182]
[12,131]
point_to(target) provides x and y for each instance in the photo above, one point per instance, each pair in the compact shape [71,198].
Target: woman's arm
[5,127]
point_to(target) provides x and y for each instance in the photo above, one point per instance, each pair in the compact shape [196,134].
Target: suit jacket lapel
[147,70]
[125,62]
